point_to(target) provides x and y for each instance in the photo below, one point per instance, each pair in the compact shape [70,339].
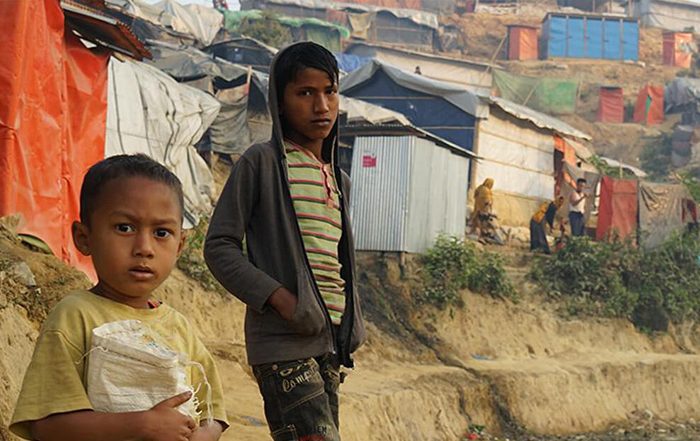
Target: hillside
[483,34]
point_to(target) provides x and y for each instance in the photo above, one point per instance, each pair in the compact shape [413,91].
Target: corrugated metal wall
[405,191]
[600,37]
[378,201]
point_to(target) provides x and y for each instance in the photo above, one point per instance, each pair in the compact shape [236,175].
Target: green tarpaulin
[548,95]
[322,32]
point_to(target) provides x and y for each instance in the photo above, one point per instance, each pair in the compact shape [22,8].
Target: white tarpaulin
[674,15]
[200,21]
[149,112]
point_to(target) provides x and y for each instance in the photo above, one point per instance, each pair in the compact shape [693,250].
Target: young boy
[131,211]
[577,208]
[288,199]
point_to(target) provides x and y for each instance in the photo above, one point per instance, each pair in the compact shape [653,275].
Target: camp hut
[649,108]
[241,91]
[327,34]
[594,5]
[611,105]
[673,15]
[607,37]
[515,144]
[473,75]
[244,51]
[423,180]
[522,42]
[678,49]
[54,114]
[380,24]
[443,109]
[518,148]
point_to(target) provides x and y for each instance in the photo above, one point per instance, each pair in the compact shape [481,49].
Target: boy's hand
[165,423]
[284,302]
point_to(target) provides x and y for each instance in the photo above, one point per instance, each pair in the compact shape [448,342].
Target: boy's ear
[81,237]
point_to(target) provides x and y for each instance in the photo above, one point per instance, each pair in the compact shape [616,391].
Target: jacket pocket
[308,318]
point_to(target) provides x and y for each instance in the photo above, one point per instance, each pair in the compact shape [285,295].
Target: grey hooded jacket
[255,208]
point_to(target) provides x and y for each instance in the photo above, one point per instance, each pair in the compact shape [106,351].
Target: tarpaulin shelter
[52,115]
[678,49]
[446,110]
[605,37]
[649,108]
[516,147]
[473,75]
[611,105]
[522,42]
[548,95]
[244,51]
[661,212]
[398,26]
[674,15]
[201,22]
[402,4]
[619,208]
[424,180]
[319,31]
[150,113]
[241,91]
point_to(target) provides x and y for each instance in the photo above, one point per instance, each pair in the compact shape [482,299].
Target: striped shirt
[317,205]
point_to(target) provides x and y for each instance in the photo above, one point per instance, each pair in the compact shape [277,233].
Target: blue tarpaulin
[431,112]
[587,36]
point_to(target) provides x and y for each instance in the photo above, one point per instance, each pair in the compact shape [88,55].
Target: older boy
[288,199]
[131,212]
[577,208]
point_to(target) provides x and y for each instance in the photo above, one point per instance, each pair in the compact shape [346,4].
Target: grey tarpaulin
[660,212]
[468,102]
[149,112]
[681,93]
[230,132]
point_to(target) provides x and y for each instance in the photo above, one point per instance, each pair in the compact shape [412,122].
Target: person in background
[544,216]
[577,208]
[483,205]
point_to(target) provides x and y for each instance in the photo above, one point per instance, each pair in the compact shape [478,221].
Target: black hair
[581,180]
[123,166]
[301,56]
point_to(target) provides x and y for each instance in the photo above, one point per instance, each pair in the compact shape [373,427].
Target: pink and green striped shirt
[316,201]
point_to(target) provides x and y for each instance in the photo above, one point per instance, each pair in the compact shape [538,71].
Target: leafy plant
[453,264]
[267,29]
[619,279]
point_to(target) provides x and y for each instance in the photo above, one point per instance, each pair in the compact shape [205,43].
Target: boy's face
[310,107]
[134,238]
[580,186]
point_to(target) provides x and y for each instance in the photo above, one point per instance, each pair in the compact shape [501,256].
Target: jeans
[301,398]
[577,223]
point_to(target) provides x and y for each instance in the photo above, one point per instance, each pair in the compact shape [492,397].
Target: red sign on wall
[369,161]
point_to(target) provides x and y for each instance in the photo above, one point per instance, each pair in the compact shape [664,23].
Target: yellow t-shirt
[55,381]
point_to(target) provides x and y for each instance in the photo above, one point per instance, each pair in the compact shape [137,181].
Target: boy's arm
[162,423]
[223,248]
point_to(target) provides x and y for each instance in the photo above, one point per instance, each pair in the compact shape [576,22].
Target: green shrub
[453,264]
[191,261]
[621,280]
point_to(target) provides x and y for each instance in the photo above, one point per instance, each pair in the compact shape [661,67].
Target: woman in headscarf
[483,203]
[544,215]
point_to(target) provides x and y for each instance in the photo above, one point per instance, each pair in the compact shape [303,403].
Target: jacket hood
[330,144]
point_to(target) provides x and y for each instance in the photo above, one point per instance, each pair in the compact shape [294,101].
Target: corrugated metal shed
[406,190]
[590,36]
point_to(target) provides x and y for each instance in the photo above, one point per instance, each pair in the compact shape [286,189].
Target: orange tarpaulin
[52,121]
[619,208]
[650,105]
[522,43]
[677,49]
[611,105]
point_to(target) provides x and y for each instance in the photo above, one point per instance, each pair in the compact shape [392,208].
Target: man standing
[577,208]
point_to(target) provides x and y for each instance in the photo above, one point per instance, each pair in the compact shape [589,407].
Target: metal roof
[96,26]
